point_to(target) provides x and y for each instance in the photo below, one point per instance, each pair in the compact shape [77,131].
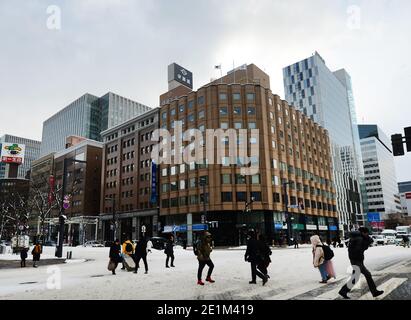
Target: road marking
[388,286]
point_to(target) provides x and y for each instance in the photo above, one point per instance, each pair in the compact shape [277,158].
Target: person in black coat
[265,251]
[169,251]
[115,254]
[23,257]
[254,255]
[141,253]
[358,243]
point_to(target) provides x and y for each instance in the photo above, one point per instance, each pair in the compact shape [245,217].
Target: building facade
[404,189]
[32,152]
[379,169]
[326,97]
[87,117]
[293,157]
[126,180]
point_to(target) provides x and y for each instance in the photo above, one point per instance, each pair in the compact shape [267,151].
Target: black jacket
[23,254]
[357,245]
[169,250]
[114,254]
[253,254]
[141,248]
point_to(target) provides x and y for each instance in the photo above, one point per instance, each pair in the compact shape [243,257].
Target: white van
[390,235]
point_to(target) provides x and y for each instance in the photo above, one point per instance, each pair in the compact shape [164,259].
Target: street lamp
[62,217]
[113,202]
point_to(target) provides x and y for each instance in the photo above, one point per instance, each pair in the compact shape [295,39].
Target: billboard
[12,152]
[180,74]
[373,217]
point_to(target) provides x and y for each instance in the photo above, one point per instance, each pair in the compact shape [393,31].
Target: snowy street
[292,276]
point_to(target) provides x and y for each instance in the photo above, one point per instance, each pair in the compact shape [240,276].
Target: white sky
[125,46]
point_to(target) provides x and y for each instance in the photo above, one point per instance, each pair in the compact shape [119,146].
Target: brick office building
[126,179]
[294,153]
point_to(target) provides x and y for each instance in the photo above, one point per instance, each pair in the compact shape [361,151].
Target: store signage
[373,217]
[181,75]
[12,152]
[408,195]
[311,227]
[322,228]
[298,226]
[333,228]
[278,226]
[153,198]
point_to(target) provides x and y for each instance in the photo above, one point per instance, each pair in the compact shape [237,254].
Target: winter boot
[210,280]
[265,280]
[199,282]
[377,293]
[343,294]
[252,282]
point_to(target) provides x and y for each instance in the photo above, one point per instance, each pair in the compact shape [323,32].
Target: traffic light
[397,145]
[408,138]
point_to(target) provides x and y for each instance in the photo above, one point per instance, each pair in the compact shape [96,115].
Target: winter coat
[253,254]
[318,252]
[204,250]
[36,252]
[141,248]
[169,250]
[115,253]
[357,245]
[124,248]
[23,254]
[265,252]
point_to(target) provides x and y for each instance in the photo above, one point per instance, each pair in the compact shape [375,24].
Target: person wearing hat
[203,255]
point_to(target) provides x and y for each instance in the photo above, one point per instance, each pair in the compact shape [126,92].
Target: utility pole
[287,215]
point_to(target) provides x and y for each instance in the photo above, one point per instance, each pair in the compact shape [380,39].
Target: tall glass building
[31,153]
[327,98]
[87,117]
[379,169]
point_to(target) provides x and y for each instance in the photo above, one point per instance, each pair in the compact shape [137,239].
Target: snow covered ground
[87,277]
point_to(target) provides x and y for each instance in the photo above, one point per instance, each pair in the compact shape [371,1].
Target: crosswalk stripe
[388,286]
[333,293]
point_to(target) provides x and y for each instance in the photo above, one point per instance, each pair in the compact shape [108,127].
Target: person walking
[127,253]
[254,256]
[265,254]
[36,252]
[23,257]
[319,258]
[203,252]
[406,241]
[115,255]
[169,251]
[359,242]
[141,253]
[296,242]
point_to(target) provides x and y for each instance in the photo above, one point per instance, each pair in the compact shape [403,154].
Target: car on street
[93,244]
[380,239]
[398,240]
[159,243]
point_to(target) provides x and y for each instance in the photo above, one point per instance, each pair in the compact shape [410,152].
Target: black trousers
[201,265]
[262,267]
[168,258]
[137,261]
[23,263]
[255,272]
[367,275]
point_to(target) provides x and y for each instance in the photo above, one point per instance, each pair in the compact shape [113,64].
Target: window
[253,140]
[276,197]
[272,129]
[164,115]
[192,183]
[173,112]
[251,111]
[240,179]
[237,111]
[173,186]
[201,114]
[226,197]
[252,125]
[173,170]
[183,184]
[183,201]
[224,125]
[164,172]
[181,108]
[226,178]
[256,195]
[255,179]
[165,203]
[190,104]
[236,96]
[201,128]
[182,168]
[238,125]
[190,117]
[270,101]
[223,111]
[222,96]
[271,115]
[275,181]
[241,196]
[250,97]
[200,100]
[273,144]
[193,199]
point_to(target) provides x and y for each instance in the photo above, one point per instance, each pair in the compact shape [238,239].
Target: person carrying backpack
[320,254]
[36,252]
[127,250]
[202,249]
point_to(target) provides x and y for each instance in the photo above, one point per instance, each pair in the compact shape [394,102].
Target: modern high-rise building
[292,188]
[326,97]
[404,189]
[379,171]
[87,117]
[32,151]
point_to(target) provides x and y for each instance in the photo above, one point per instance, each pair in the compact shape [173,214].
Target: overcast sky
[124,46]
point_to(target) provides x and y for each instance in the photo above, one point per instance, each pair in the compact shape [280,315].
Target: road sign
[143,229]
